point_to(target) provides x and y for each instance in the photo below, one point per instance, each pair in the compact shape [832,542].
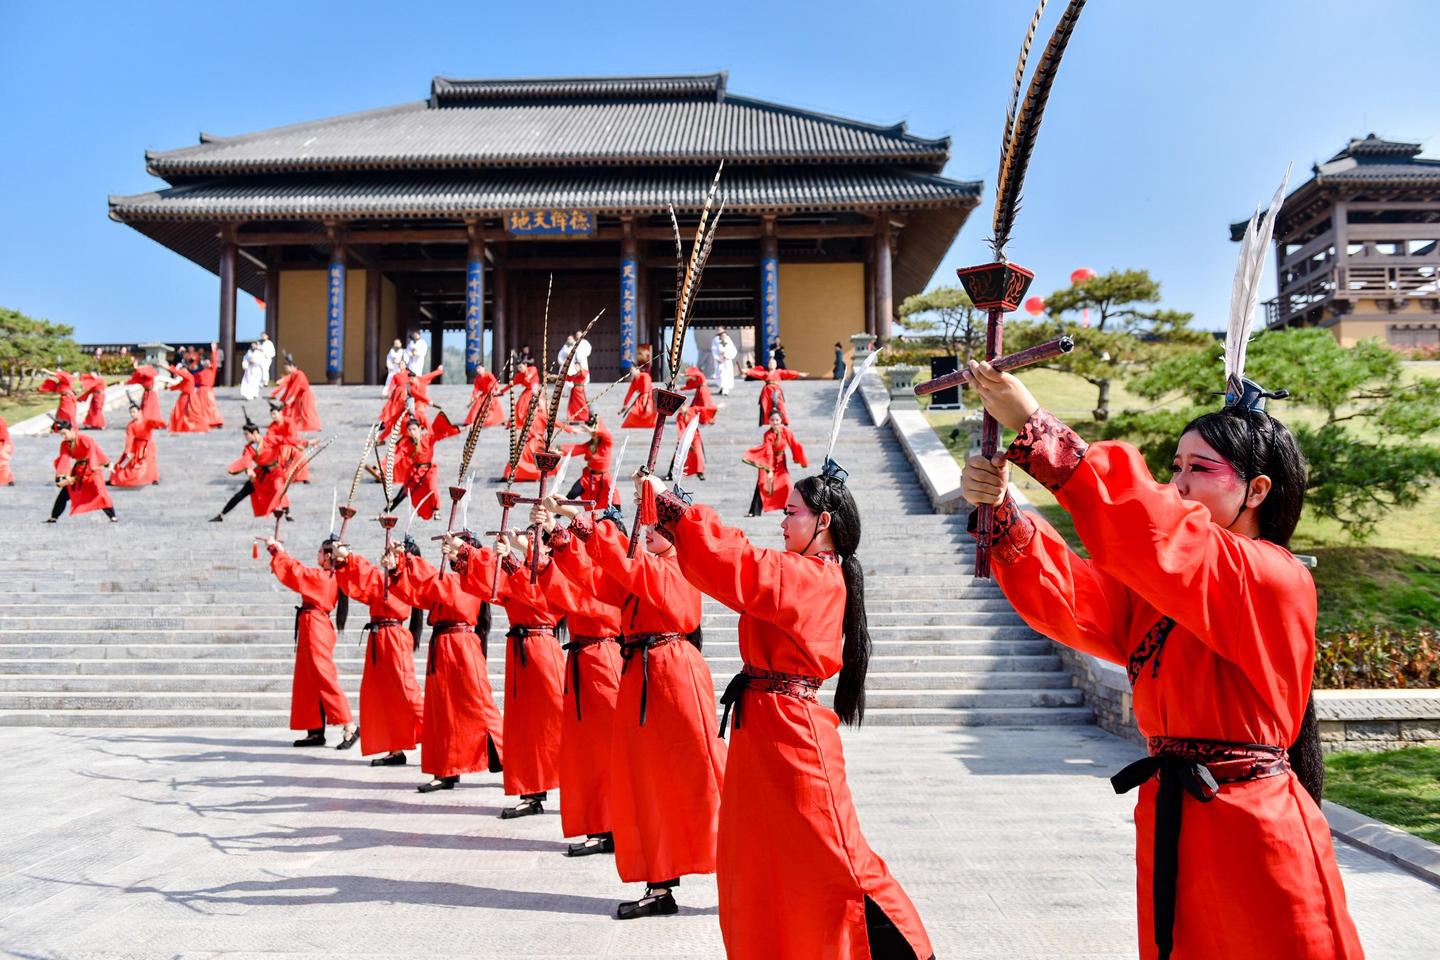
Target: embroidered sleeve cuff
[670,508]
[461,562]
[1011,531]
[560,538]
[510,564]
[1047,449]
[582,526]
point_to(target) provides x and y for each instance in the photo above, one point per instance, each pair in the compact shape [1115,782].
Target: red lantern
[1035,306]
[1080,276]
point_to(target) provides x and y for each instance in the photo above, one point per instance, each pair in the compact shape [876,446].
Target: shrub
[1377,657]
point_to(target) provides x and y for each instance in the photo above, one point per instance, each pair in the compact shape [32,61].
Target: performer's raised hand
[569,511]
[389,559]
[542,517]
[984,482]
[341,553]
[1005,397]
[273,545]
[641,479]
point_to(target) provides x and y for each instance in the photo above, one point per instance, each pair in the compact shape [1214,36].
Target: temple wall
[302,321]
[820,303]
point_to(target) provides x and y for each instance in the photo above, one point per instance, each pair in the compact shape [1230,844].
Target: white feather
[1245,291]
[465,502]
[416,511]
[682,449]
[334,501]
[614,472]
[560,472]
[842,399]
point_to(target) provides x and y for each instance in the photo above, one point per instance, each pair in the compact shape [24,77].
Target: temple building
[455,213]
[1358,247]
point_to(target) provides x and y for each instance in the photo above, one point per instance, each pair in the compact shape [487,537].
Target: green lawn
[1399,787]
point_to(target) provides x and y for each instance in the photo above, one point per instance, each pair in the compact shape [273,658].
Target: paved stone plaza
[207,843]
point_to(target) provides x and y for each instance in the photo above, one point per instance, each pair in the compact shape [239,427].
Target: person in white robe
[723,352]
[254,365]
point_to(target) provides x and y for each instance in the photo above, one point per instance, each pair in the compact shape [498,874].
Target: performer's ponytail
[1306,757]
[342,611]
[828,494]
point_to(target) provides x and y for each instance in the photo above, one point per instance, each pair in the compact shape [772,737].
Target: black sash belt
[573,648]
[643,642]
[518,634]
[369,634]
[437,628]
[300,612]
[771,681]
[1196,767]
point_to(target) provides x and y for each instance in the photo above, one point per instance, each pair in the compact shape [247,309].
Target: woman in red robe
[7,450]
[702,401]
[294,391]
[93,389]
[144,376]
[667,761]
[205,394]
[316,699]
[787,821]
[534,668]
[772,483]
[486,385]
[461,722]
[62,383]
[137,466]
[390,702]
[263,460]
[595,482]
[392,412]
[186,416]
[592,685]
[772,395]
[80,474]
[1190,587]
[421,479]
[639,405]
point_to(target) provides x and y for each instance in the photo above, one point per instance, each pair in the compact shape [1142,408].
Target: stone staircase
[166,620]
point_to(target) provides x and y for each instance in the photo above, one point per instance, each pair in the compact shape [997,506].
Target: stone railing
[1377,719]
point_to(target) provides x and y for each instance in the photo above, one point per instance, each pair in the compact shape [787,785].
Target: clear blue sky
[1169,120]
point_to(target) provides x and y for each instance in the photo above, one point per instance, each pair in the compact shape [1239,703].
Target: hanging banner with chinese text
[550,223]
[335,321]
[629,275]
[474,315]
[769,308]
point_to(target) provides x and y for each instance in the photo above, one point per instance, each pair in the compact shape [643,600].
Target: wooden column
[226,338]
[335,309]
[884,293]
[769,331]
[374,280]
[437,341]
[629,294]
[272,301]
[499,338]
[474,300]
[870,286]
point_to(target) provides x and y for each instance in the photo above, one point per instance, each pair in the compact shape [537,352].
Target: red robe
[592,685]
[84,461]
[665,773]
[205,397]
[787,821]
[421,477]
[695,459]
[394,408]
[144,375]
[702,401]
[772,396]
[461,723]
[186,416]
[642,413]
[137,466]
[391,708]
[486,385]
[534,666]
[266,468]
[595,478]
[290,446]
[529,382]
[773,480]
[578,409]
[526,469]
[316,700]
[294,391]
[7,450]
[63,384]
[443,428]
[94,391]
[1217,632]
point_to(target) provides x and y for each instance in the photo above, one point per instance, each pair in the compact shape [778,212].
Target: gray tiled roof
[423,195]
[469,124]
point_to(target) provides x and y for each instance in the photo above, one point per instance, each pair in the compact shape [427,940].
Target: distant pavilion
[452,213]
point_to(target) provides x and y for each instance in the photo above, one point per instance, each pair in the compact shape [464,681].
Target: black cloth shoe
[349,740]
[527,807]
[218,518]
[314,740]
[605,843]
[439,783]
[394,760]
[650,905]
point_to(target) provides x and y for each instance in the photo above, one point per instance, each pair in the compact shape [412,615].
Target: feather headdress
[1022,120]
[688,273]
[843,394]
[1245,297]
